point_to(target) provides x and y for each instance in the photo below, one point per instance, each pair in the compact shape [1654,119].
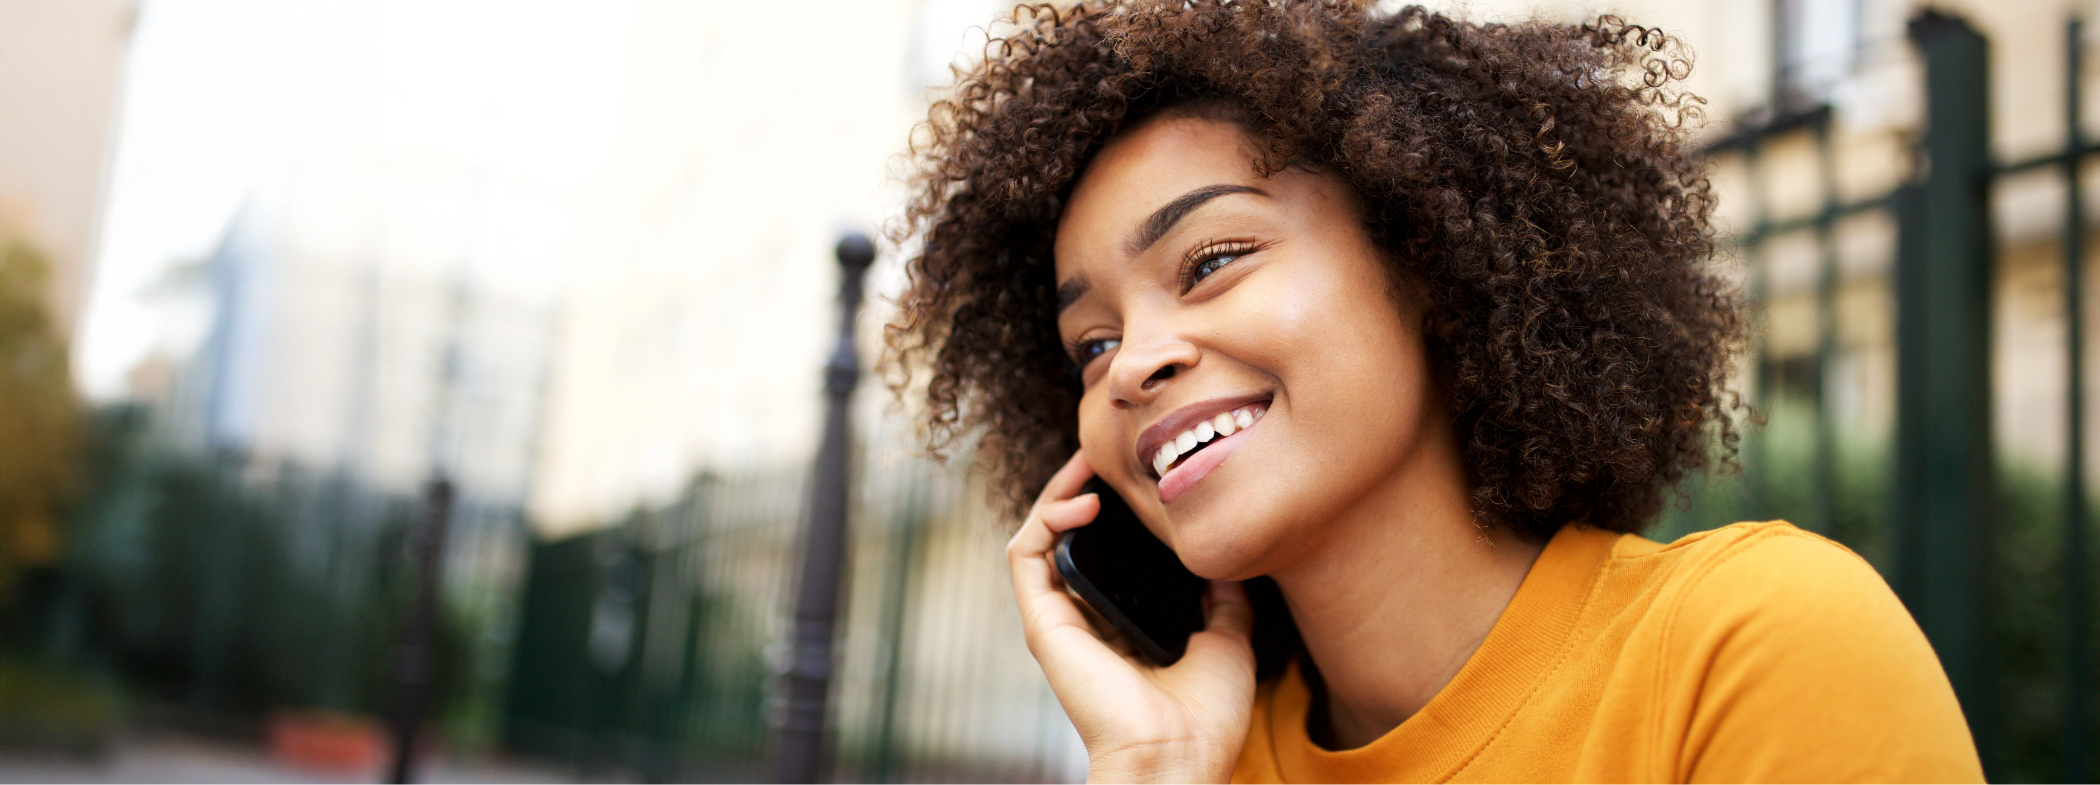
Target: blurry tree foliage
[41,422]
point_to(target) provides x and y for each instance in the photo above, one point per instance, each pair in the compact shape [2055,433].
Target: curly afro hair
[1534,182]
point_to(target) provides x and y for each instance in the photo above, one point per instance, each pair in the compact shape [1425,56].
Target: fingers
[1049,519]
[1068,479]
[1036,586]
[1071,513]
[1055,511]
[1028,554]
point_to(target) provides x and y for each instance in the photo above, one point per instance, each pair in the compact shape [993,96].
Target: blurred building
[685,413]
[580,260]
[391,364]
[334,374]
[738,158]
[61,75]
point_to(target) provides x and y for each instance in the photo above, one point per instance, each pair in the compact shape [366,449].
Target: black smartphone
[1132,579]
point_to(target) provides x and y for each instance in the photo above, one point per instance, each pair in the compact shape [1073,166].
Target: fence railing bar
[2076,586]
[2076,152]
[1751,133]
[1753,469]
[1825,460]
[1830,214]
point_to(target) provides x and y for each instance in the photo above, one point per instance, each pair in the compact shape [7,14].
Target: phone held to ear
[1132,580]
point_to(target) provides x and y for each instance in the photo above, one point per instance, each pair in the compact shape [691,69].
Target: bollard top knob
[856,252]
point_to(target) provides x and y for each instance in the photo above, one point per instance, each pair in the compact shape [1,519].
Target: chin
[1222,550]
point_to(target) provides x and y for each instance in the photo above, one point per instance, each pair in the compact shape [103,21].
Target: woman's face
[1198,298]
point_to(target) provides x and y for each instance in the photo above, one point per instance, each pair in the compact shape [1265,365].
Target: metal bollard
[799,748]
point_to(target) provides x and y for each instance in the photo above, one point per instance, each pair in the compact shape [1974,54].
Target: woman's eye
[1088,350]
[1211,258]
[1206,267]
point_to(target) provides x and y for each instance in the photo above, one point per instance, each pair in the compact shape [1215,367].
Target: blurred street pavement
[167,757]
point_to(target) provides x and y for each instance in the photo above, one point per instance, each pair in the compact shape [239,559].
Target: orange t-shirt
[1756,652]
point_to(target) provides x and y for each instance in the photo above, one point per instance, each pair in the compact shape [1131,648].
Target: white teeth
[1223,425]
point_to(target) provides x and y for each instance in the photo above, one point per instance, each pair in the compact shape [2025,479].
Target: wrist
[1161,762]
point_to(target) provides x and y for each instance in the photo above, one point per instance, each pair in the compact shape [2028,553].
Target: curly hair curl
[1535,182]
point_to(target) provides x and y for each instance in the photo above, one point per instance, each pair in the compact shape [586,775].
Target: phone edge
[1094,598]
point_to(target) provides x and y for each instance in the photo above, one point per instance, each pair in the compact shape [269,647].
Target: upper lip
[1184,418]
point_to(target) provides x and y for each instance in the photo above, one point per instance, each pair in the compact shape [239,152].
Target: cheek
[1350,362]
[1339,327]
[1098,438]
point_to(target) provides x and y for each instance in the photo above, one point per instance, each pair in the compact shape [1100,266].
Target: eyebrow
[1164,218]
[1156,226]
[1070,291]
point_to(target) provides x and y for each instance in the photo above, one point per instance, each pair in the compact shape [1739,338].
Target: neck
[1392,606]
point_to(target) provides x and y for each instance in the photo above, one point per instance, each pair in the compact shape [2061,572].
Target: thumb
[1228,612]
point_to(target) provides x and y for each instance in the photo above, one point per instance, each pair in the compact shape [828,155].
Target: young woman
[1412,322]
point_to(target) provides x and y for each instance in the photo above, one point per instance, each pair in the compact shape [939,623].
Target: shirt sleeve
[1801,665]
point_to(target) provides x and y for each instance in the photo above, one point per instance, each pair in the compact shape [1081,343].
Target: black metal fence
[1989,549]
[651,649]
[224,587]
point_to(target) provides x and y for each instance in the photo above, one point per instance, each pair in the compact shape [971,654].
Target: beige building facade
[1854,56]
[61,75]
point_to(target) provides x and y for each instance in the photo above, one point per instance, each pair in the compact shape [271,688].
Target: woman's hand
[1141,723]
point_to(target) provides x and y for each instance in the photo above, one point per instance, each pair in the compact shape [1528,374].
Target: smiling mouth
[1205,434]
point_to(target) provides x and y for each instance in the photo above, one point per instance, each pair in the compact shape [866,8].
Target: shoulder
[1773,595]
[1772,569]
[1774,639]
[1766,577]
[1770,545]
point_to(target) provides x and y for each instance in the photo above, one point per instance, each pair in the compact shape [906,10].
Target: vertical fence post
[1943,466]
[897,591]
[415,661]
[1755,442]
[2076,588]
[1825,487]
[799,751]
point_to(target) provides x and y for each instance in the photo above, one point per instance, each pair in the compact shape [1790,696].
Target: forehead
[1141,170]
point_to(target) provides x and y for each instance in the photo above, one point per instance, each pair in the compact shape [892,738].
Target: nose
[1139,371]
